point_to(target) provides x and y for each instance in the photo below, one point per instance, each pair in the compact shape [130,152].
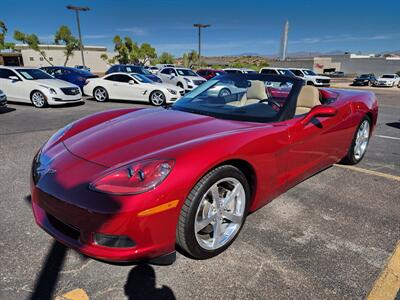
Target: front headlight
[134,178]
[51,90]
[173,92]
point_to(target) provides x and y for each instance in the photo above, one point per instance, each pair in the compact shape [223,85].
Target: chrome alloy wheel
[38,99]
[220,213]
[100,94]
[157,98]
[362,139]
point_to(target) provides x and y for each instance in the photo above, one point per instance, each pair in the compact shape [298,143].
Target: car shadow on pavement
[6,110]
[141,284]
[394,124]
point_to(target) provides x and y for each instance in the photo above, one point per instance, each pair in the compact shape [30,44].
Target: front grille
[70,91]
[198,82]
[63,228]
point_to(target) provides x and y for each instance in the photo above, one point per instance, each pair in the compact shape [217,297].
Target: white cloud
[138,31]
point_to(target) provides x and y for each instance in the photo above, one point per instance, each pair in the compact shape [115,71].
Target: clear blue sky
[238,27]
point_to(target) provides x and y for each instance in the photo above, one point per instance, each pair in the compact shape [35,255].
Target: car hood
[54,83]
[145,133]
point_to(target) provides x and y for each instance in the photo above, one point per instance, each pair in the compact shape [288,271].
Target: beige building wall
[55,54]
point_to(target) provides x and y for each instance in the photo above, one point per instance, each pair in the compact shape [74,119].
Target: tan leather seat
[307,99]
[254,94]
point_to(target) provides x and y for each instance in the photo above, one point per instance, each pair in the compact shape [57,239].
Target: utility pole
[200,26]
[77,9]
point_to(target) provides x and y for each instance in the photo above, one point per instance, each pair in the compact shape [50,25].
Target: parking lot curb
[387,286]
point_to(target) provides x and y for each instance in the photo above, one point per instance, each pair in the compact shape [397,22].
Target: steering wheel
[274,104]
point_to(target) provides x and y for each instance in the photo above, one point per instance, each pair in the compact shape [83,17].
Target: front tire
[213,213]
[360,143]
[38,99]
[100,94]
[157,98]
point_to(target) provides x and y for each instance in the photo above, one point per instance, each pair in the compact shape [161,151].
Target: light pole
[200,26]
[77,9]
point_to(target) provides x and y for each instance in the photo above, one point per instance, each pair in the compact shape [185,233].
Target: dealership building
[25,56]
[347,63]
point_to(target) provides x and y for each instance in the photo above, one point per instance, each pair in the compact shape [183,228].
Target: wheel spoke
[200,225]
[217,233]
[232,217]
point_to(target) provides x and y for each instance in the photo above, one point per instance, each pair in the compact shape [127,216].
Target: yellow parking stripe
[370,172]
[388,284]
[77,294]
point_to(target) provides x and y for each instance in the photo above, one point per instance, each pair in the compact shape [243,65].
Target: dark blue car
[133,69]
[73,75]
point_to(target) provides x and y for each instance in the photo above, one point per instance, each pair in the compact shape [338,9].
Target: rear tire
[38,99]
[213,213]
[359,144]
[100,94]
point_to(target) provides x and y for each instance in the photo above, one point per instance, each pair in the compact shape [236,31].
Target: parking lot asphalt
[328,238]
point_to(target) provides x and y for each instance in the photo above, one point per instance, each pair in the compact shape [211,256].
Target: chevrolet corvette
[135,184]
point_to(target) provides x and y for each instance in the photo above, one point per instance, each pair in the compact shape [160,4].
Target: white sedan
[22,84]
[135,87]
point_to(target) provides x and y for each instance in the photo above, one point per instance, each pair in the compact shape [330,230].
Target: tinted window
[268,71]
[5,73]
[297,73]
[166,71]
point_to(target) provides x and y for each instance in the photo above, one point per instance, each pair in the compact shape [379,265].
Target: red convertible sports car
[132,184]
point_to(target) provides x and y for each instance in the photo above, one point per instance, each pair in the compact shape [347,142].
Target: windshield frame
[287,111]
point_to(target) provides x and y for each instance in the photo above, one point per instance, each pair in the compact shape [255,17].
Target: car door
[165,75]
[16,90]
[125,88]
[316,144]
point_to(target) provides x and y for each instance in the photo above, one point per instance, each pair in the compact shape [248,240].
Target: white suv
[184,78]
[311,78]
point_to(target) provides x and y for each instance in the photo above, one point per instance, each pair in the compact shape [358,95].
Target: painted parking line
[77,294]
[387,137]
[387,286]
[370,172]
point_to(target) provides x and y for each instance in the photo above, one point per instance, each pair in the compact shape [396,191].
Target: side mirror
[14,78]
[319,111]
[131,82]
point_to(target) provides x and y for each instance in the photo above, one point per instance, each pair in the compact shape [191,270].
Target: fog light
[113,241]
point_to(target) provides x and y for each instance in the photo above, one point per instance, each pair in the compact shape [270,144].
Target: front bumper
[66,209]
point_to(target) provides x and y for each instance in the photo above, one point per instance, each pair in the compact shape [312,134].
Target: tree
[146,53]
[65,37]
[32,41]
[166,58]
[109,61]
[129,52]
[3,32]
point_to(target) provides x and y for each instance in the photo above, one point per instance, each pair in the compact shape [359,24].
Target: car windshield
[137,69]
[387,76]
[186,72]
[34,74]
[309,72]
[142,78]
[253,98]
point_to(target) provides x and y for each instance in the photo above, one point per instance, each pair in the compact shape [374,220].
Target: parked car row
[385,80]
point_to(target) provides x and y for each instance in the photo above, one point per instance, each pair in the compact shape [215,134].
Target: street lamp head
[201,25]
[80,8]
